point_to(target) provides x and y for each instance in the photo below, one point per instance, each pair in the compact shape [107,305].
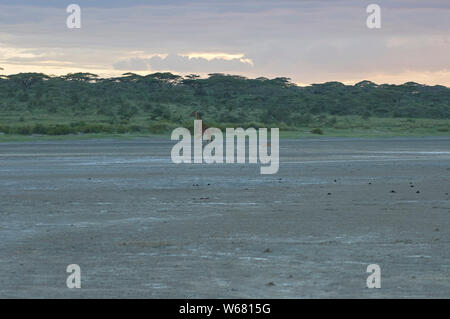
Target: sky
[309,41]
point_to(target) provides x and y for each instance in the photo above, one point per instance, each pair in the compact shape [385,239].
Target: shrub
[5,129]
[59,129]
[158,128]
[317,131]
[23,130]
[135,128]
[122,129]
[39,129]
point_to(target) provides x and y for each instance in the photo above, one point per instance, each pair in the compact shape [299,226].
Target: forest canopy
[220,98]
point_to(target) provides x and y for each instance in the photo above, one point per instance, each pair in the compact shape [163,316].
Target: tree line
[220,98]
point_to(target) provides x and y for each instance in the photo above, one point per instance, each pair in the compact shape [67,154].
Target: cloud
[218,56]
[7,53]
[202,62]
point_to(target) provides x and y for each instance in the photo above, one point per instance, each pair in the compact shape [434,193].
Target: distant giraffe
[198,116]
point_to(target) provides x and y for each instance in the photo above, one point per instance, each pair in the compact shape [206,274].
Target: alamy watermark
[374,19]
[213,151]
[74,279]
[374,279]
[74,19]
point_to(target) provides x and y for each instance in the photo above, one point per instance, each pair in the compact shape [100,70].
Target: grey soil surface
[140,226]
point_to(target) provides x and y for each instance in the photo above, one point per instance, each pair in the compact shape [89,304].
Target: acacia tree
[26,80]
[80,76]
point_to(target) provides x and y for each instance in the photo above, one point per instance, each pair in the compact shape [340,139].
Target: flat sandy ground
[140,226]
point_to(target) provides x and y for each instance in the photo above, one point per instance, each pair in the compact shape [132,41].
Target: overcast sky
[309,41]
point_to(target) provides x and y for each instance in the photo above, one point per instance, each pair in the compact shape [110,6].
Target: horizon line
[224,74]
